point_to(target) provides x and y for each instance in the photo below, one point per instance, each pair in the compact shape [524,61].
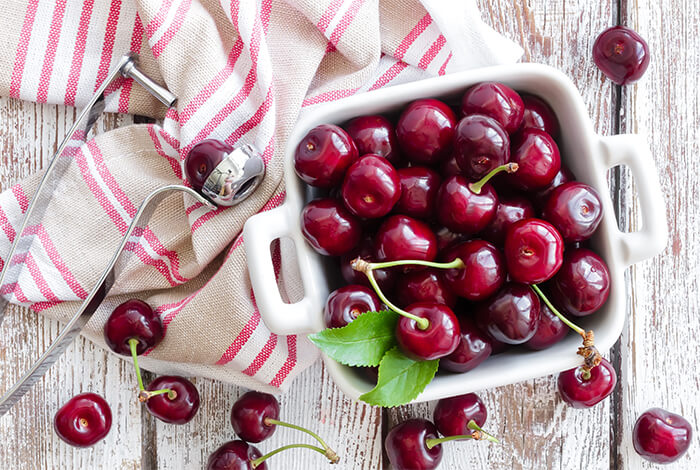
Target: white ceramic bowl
[586,153]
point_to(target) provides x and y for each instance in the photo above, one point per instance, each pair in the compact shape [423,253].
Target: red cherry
[462,210]
[346,304]
[178,407]
[329,228]
[366,251]
[510,316]
[376,135]
[323,156]
[419,188]
[580,392]
[495,100]
[84,420]
[133,319]
[539,115]
[402,237]
[661,436]
[450,167]
[235,455]
[549,330]
[483,273]
[538,159]
[509,210]
[533,250]
[425,131]
[202,159]
[473,348]
[452,415]
[621,54]
[438,340]
[406,446]
[426,285]
[481,145]
[371,187]
[575,210]
[446,238]
[249,413]
[564,175]
[582,285]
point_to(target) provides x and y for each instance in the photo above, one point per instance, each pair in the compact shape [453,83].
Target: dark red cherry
[497,347]
[235,455]
[178,407]
[484,270]
[133,319]
[376,135]
[582,285]
[371,187]
[438,340]
[426,285]
[450,167]
[538,159]
[346,304]
[621,54]
[473,348]
[329,227]
[406,446]
[661,436]
[564,175]
[446,238]
[533,250]
[366,250]
[249,413]
[323,156]
[575,210]
[84,420]
[401,237]
[510,316]
[425,131]
[202,159]
[495,100]
[509,210]
[452,415]
[419,187]
[580,392]
[481,145]
[550,330]
[539,115]
[462,210]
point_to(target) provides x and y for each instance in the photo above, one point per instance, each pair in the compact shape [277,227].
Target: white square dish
[586,153]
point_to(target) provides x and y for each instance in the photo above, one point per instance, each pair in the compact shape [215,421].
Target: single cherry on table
[452,415]
[407,449]
[83,420]
[621,54]
[661,436]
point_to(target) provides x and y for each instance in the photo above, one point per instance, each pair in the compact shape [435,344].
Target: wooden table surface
[656,357]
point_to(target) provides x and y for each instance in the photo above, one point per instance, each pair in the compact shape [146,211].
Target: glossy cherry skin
[550,330]
[621,54]
[182,408]
[473,348]
[450,167]
[375,134]
[484,270]
[495,100]
[133,319]
[582,285]
[510,209]
[84,420]
[406,447]
[347,303]
[452,415]
[371,187]
[564,175]
[386,278]
[538,159]
[419,188]
[249,413]
[539,115]
[481,145]
[324,155]
[202,159]
[533,250]
[585,393]
[425,131]
[661,436]
[462,210]
[401,237]
[575,210]
[235,455]
[438,340]
[426,285]
[329,227]
[510,316]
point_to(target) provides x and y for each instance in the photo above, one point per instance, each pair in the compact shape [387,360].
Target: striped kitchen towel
[243,71]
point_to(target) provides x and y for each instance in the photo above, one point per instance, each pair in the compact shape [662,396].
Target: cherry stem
[332,457]
[454,264]
[133,343]
[554,310]
[508,168]
[145,395]
[270,422]
[478,435]
[423,323]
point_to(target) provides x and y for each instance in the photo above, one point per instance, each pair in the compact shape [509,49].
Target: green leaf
[401,379]
[362,342]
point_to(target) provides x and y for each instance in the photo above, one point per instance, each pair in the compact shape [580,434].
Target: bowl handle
[650,239]
[280,317]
